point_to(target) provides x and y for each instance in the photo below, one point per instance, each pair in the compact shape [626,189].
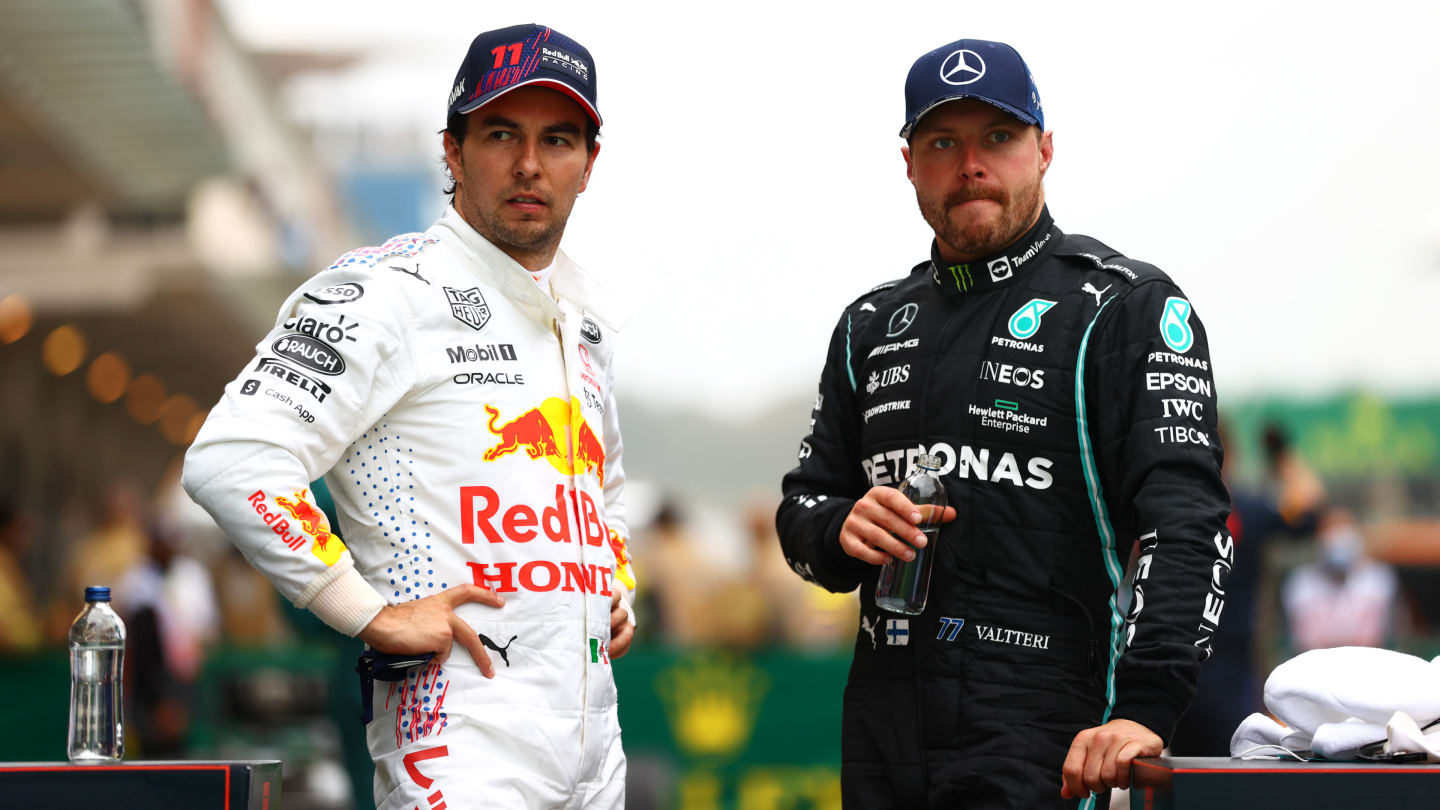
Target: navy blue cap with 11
[992,72]
[519,56]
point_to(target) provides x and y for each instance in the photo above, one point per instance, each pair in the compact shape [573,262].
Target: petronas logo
[712,702]
[1026,320]
[1175,325]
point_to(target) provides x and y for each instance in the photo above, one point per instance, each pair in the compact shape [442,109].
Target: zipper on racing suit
[580,547]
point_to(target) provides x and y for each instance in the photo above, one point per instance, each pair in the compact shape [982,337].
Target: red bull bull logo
[622,559]
[556,431]
[313,525]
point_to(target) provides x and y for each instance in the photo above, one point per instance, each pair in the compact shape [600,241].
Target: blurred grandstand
[157,203]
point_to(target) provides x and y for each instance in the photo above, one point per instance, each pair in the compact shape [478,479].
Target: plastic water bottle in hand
[97,661]
[904,586]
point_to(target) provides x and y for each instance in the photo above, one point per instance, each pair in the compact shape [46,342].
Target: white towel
[1404,735]
[1260,736]
[1343,740]
[1334,685]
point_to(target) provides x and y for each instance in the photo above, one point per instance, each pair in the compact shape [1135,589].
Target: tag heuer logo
[468,306]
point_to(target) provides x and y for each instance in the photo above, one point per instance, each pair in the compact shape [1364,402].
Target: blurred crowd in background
[1318,564]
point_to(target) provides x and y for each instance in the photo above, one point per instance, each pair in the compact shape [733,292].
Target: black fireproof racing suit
[1068,392]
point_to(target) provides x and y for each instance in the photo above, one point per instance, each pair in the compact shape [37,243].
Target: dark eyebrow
[562,128]
[499,121]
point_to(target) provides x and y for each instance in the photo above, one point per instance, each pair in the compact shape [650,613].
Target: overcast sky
[1280,164]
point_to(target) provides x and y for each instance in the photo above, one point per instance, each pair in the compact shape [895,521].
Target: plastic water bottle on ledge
[97,661]
[904,586]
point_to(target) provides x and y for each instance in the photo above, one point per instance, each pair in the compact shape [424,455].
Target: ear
[1047,151]
[589,165]
[909,166]
[452,157]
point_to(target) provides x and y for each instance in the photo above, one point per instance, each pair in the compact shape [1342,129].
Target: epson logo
[478,353]
[1014,375]
[309,353]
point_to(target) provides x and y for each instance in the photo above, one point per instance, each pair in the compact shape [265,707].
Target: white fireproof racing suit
[464,421]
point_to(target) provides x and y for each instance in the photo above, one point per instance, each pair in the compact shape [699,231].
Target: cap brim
[1025,118]
[553,84]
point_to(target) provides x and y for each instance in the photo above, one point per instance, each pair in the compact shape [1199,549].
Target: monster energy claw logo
[1026,320]
[1175,325]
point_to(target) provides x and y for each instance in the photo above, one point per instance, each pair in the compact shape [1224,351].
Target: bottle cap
[97,593]
[928,462]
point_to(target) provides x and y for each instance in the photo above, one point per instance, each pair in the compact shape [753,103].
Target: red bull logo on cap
[556,431]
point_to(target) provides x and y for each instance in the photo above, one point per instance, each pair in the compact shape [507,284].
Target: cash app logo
[1175,325]
[1026,320]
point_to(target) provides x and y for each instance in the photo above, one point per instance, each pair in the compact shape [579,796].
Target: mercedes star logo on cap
[962,67]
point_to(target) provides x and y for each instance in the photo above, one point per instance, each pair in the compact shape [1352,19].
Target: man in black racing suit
[1068,392]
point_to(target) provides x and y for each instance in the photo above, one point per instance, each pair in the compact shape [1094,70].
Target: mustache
[970,193]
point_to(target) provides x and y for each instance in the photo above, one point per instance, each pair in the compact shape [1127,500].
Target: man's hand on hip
[1100,757]
[877,519]
[622,630]
[430,625]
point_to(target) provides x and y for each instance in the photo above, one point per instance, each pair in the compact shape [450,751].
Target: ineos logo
[962,67]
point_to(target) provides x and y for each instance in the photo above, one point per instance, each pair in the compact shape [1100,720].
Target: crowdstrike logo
[962,67]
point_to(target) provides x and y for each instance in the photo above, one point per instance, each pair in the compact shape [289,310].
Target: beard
[981,237]
[527,235]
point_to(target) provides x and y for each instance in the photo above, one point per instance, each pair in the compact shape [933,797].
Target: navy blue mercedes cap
[971,68]
[520,56]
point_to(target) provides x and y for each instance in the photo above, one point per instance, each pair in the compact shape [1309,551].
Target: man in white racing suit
[455,390]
